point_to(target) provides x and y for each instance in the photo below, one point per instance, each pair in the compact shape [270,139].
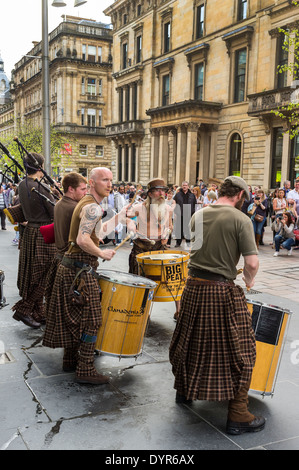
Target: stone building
[80,90]
[195,84]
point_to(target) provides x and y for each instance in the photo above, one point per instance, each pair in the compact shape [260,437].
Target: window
[121,104]
[294,161]
[242,9]
[199,26]
[235,155]
[83,150]
[139,9]
[138,49]
[165,90]
[100,87]
[91,118]
[99,150]
[282,60]
[124,55]
[91,86]
[83,86]
[100,118]
[84,52]
[276,157]
[82,117]
[92,50]
[166,37]
[240,74]
[99,54]
[198,81]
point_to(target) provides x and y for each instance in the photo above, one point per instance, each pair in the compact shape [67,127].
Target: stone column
[154,153]
[181,154]
[163,154]
[191,153]
[285,163]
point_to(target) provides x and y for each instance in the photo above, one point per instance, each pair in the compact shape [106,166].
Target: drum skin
[270,328]
[126,304]
[168,269]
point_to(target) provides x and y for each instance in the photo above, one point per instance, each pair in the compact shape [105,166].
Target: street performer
[154,222]
[35,256]
[213,351]
[154,225]
[74,188]
[74,313]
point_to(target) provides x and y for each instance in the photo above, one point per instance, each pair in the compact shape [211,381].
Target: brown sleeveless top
[75,223]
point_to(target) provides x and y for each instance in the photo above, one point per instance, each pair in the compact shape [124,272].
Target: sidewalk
[42,408]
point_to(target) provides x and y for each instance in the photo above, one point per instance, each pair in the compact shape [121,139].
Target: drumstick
[124,241]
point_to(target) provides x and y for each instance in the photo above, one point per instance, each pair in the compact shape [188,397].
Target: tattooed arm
[90,216]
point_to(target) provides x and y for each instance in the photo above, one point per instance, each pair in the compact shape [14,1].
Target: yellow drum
[270,327]
[126,302]
[167,268]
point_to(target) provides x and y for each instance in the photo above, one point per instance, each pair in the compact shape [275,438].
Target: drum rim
[148,283]
[182,259]
[274,307]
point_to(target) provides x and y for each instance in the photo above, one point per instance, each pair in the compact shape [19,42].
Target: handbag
[258,218]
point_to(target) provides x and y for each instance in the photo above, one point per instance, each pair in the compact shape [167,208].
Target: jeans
[258,226]
[285,242]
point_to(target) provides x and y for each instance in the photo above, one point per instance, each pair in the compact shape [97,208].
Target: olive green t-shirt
[220,235]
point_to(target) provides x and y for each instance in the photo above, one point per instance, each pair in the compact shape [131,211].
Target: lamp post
[46,79]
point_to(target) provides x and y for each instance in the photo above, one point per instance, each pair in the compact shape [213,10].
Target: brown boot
[239,419]
[86,372]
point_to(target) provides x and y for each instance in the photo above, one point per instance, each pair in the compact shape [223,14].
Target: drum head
[163,256]
[126,279]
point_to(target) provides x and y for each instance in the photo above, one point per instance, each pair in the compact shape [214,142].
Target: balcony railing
[267,101]
[128,127]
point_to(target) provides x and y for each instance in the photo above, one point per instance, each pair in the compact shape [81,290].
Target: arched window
[235,155]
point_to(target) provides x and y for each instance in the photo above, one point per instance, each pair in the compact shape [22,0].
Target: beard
[158,209]
[240,203]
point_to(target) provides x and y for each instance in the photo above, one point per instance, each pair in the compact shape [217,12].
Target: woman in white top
[279,203]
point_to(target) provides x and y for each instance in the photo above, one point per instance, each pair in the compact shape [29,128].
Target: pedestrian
[199,197]
[212,350]
[293,195]
[258,211]
[120,200]
[283,227]
[4,203]
[185,208]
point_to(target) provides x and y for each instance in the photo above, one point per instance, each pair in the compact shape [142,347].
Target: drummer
[74,313]
[154,224]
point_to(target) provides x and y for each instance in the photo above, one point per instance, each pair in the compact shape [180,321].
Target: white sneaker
[276,253]
[290,251]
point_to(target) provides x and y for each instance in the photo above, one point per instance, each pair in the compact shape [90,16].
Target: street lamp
[46,78]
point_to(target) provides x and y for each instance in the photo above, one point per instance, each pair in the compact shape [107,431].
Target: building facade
[195,84]
[80,90]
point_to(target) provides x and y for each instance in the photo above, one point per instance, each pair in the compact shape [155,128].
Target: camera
[280,216]
[257,198]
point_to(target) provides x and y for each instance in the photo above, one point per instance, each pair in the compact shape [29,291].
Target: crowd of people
[62,242]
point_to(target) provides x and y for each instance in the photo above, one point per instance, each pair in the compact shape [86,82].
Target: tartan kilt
[67,321]
[35,258]
[50,279]
[212,350]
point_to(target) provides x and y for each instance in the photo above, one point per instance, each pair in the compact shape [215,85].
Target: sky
[21,23]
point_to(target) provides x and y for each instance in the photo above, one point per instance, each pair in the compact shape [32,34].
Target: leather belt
[74,264]
[207,275]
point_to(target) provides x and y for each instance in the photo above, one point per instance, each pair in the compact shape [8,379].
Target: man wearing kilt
[74,188]
[35,255]
[74,313]
[212,351]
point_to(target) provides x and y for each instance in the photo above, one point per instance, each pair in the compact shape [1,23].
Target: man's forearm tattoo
[90,217]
